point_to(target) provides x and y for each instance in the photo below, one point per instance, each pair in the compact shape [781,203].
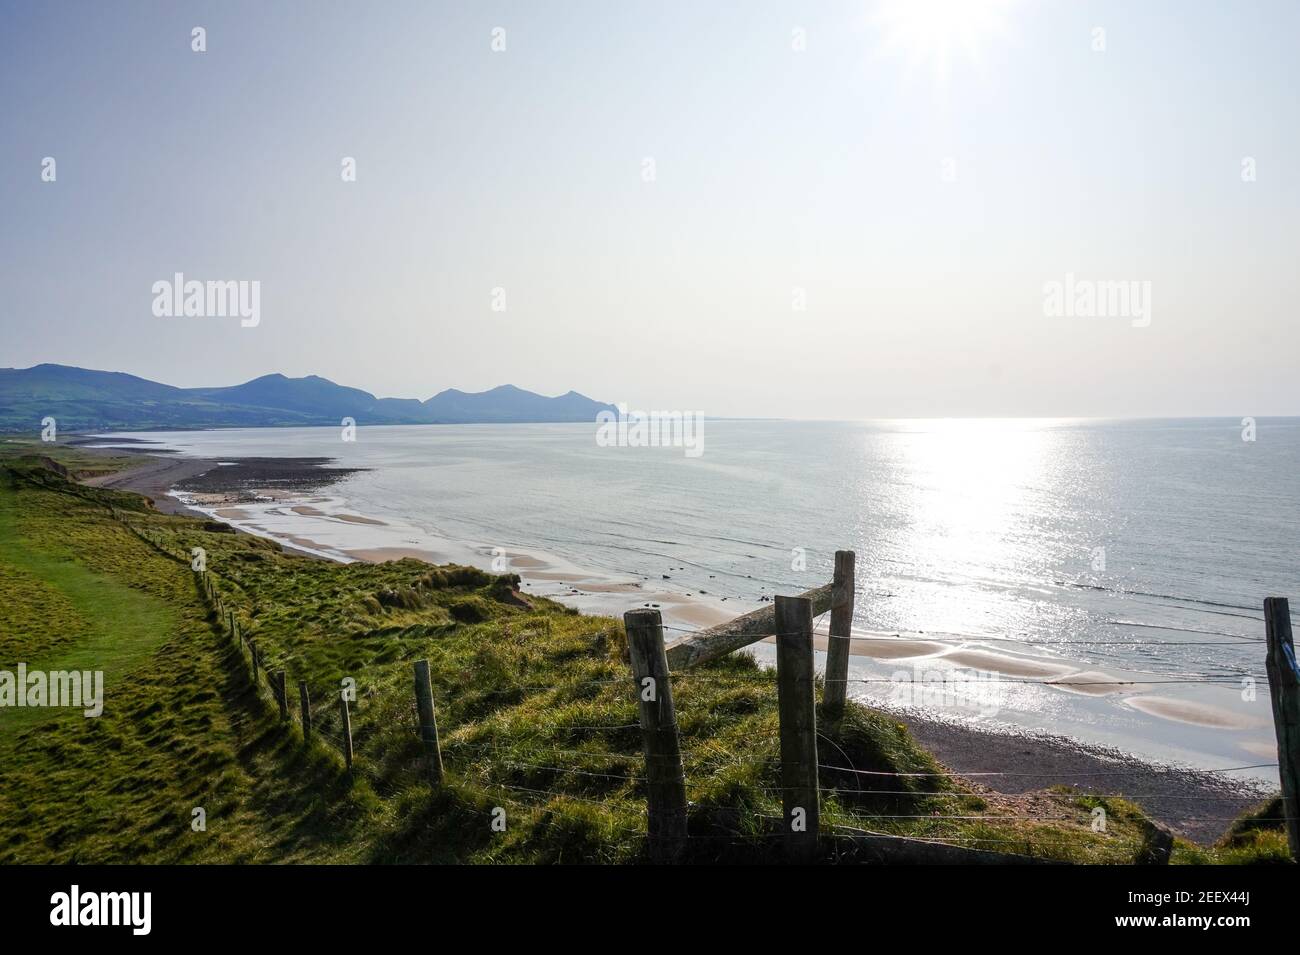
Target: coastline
[154,478]
[1197,803]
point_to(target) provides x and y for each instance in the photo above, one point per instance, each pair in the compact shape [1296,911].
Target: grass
[537,719]
[66,617]
[77,461]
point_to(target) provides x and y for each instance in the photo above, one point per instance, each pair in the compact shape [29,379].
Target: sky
[760,209]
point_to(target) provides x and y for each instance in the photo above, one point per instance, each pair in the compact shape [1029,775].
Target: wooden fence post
[1284,689]
[428,723]
[252,649]
[837,648]
[794,685]
[281,695]
[665,779]
[305,703]
[347,731]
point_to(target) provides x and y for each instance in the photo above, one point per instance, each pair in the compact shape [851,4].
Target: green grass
[535,706]
[66,617]
[79,462]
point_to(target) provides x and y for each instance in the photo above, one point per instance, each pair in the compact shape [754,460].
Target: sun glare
[935,32]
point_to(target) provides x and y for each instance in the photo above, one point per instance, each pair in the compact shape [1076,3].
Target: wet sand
[1008,665]
[1188,711]
[308,511]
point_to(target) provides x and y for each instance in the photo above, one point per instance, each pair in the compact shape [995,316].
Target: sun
[935,32]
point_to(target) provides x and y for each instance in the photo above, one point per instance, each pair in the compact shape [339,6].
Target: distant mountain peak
[85,399]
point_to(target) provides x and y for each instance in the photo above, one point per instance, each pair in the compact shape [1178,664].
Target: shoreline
[154,478]
[1195,802]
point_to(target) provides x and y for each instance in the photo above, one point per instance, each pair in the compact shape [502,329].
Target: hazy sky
[921,201]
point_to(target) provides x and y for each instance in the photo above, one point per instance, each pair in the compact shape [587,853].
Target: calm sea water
[1146,545]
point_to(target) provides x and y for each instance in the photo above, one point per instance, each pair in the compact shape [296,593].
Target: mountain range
[81,399]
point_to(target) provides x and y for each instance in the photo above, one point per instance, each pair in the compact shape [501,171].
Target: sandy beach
[155,477]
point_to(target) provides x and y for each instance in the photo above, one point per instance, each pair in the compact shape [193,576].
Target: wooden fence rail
[706,645]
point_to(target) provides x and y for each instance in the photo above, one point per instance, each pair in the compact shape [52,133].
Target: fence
[790,622]
[654,663]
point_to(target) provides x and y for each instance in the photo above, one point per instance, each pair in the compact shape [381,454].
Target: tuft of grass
[1258,836]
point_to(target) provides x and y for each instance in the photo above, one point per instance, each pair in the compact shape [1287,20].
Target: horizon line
[727,417]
